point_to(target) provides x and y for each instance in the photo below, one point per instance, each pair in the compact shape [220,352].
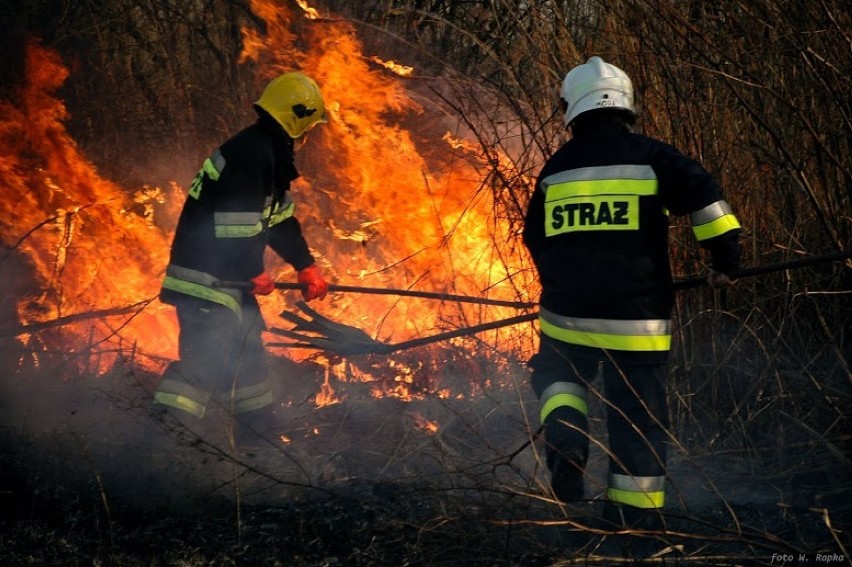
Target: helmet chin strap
[299,142]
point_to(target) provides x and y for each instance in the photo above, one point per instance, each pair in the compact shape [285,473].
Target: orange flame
[310,13]
[428,221]
[326,397]
[91,244]
[401,70]
[376,211]
[422,423]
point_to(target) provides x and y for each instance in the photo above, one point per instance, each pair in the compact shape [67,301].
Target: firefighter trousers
[636,410]
[222,360]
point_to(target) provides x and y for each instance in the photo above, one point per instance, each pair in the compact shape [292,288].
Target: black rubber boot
[566,476]
[642,528]
[254,429]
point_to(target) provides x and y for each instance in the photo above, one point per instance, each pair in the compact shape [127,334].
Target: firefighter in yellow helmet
[597,231]
[238,205]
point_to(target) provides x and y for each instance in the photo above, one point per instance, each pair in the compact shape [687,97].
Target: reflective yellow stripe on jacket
[613,334]
[246,224]
[199,284]
[237,225]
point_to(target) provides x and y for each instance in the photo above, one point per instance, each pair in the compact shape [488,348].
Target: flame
[326,397]
[91,244]
[384,215]
[422,423]
[310,13]
[376,211]
[401,70]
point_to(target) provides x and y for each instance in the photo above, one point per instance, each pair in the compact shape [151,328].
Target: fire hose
[346,340]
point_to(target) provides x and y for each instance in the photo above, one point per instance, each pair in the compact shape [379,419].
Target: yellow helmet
[294,101]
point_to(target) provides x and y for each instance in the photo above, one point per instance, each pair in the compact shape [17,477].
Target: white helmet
[594,85]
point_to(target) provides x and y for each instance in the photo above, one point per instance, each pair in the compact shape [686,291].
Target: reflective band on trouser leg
[563,394]
[613,334]
[182,396]
[637,491]
[250,398]
[713,220]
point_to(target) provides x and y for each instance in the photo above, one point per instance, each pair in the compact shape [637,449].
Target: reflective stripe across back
[621,172]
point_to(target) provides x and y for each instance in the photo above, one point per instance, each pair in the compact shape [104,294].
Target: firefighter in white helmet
[238,205]
[597,231]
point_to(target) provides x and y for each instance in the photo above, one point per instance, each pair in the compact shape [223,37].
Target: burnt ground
[89,476]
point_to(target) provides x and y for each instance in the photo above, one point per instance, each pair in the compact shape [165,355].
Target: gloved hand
[263,284]
[317,287]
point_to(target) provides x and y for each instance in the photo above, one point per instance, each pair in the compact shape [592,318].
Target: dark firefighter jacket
[597,230]
[237,205]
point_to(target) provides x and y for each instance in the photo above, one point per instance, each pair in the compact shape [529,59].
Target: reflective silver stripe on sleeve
[637,483]
[651,327]
[218,160]
[710,213]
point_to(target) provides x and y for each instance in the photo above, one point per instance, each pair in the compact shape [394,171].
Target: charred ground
[89,475]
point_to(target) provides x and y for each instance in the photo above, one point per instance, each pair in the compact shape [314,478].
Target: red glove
[317,287]
[263,284]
